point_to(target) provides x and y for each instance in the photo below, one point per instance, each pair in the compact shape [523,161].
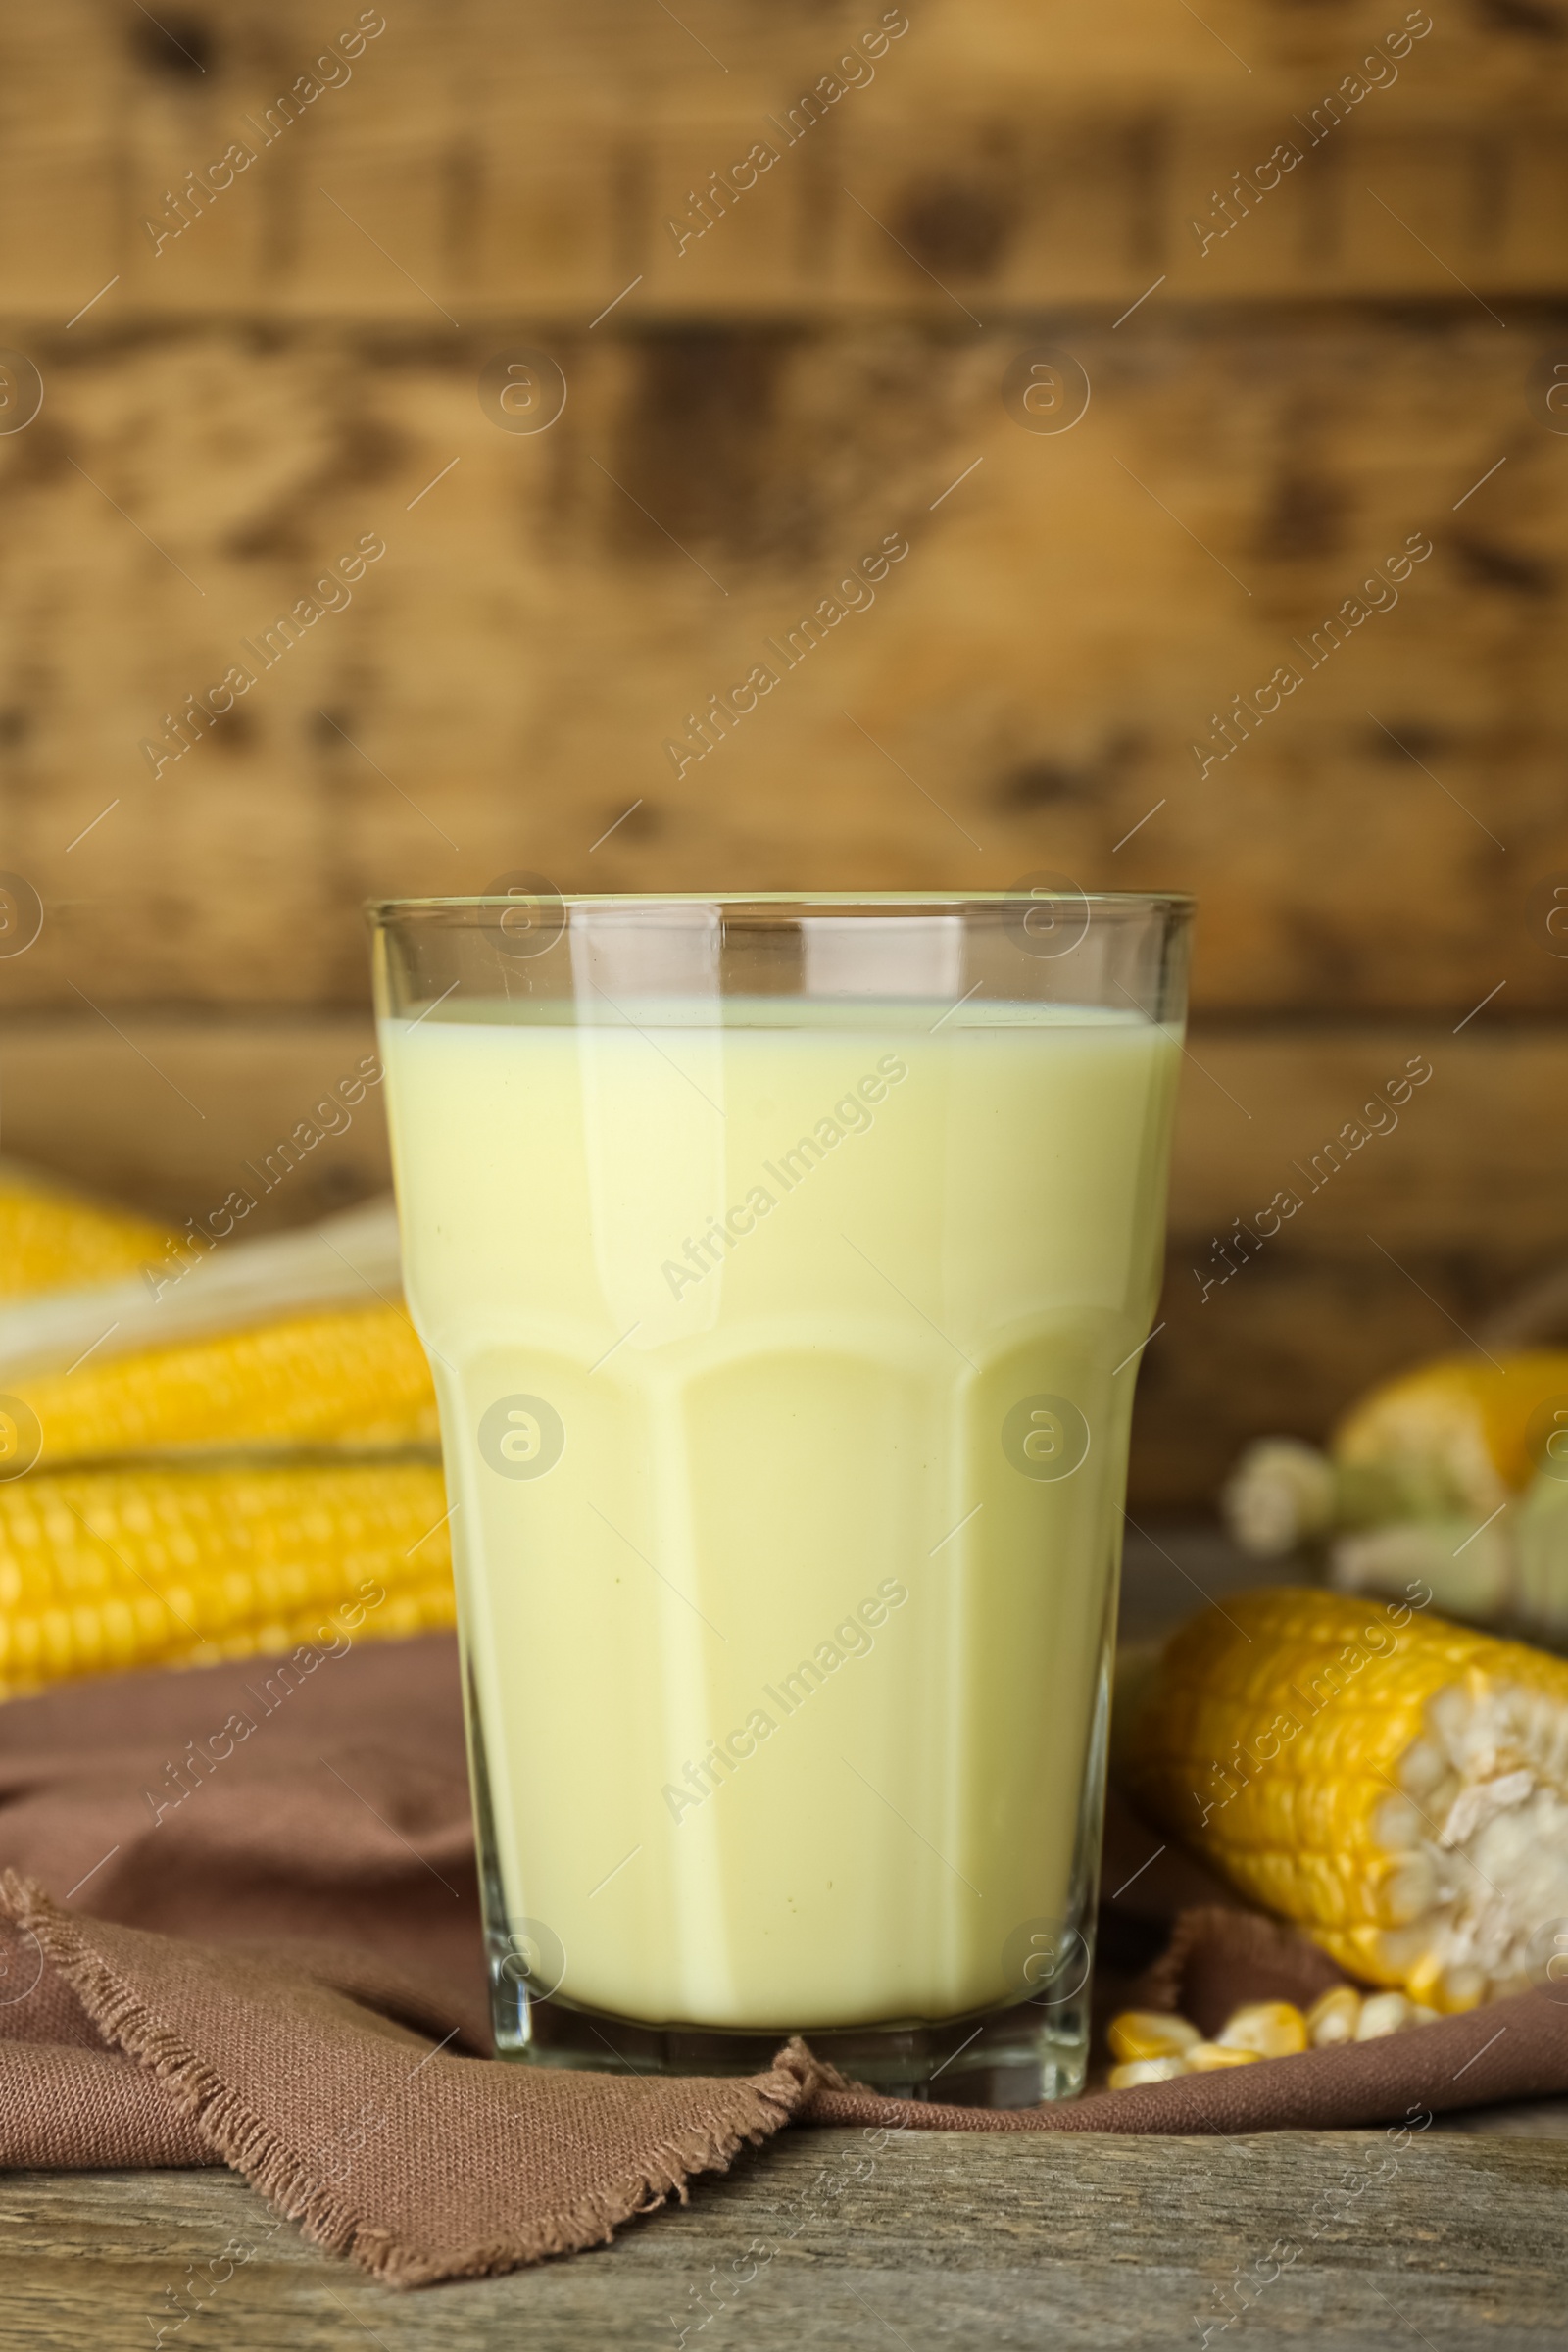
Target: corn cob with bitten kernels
[358,1377]
[50,1239]
[104,1570]
[1393,1782]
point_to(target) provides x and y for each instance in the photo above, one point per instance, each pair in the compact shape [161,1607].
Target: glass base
[1014,2057]
[1021,2053]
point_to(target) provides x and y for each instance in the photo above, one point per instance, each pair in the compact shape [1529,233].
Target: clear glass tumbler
[783,1264]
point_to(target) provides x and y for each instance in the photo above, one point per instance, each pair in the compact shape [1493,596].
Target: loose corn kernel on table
[949,2239]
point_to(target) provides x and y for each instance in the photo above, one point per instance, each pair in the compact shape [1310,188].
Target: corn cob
[1459,1428]
[1396,1784]
[105,1570]
[198,1289]
[49,1238]
[1453,1439]
[356,1377]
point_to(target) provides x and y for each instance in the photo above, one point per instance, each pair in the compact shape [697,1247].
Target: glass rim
[381,910]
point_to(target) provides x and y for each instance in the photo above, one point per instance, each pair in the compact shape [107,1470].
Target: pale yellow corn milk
[787,1644]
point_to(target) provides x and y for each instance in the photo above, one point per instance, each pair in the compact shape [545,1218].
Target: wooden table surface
[940,2239]
[949,2239]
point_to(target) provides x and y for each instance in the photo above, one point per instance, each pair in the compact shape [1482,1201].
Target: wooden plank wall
[1313,333]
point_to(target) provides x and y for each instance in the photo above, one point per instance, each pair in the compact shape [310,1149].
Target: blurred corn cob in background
[1395,1784]
[1455,1473]
[299,1338]
[356,1377]
[50,1236]
[250,1435]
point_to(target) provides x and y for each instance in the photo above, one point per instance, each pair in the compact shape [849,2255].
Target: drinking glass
[783,1264]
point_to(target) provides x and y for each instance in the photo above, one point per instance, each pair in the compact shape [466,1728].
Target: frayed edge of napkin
[764,2103]
[767,2102]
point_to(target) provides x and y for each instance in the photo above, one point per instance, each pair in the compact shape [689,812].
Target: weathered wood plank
[174,1115]
[815,2241]
[507,679]
[1289,1344]
[1031,155]
[1470,1158]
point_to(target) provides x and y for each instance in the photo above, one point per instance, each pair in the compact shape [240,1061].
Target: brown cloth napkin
[279,1969]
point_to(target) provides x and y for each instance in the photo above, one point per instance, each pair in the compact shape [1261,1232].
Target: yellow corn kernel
[1384,2013]
[147,1565]
[1148,2070]
[349,1377]
[1211,2057]
[1139,2033]
[1273,2029]
[1384,1778]
[52,1239]
[1334,2017]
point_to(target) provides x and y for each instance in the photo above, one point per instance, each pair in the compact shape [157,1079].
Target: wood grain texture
[1026,690]
[942,2239]
[168,1113]
[1289,1343]
[1009,150]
